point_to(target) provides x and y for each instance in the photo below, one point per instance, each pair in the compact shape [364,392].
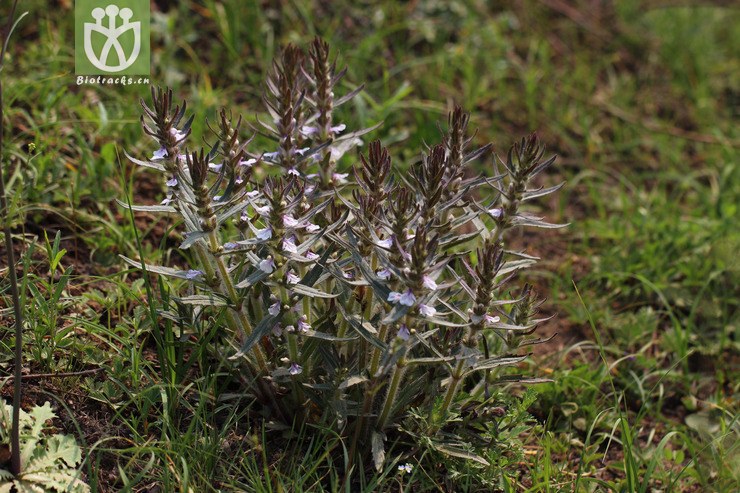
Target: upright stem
[390,397]
[15,442]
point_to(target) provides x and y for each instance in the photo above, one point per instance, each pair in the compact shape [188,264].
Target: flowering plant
[359,298]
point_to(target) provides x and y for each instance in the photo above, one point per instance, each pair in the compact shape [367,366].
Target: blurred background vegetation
[639,99]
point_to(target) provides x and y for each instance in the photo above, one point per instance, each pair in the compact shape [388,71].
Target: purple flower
[407,298]
[230,245]
[277,330]
[262,211]
[263,234]
[311,227]
[302,324]
[427,311]
[253,194]
[387,243]
[496,213]
[383,274]
[340,178]
[172,182]
[406,468]
[267,265]
[311,256]
[295,369]
[404,333]
[193,274]
[217,198]
[216,168]
[274,308]
[160,153]
[490,319]
[248,162]
[289,221]
[294,172]
[429,283]
[292,278]
[290,328]
[289,245]
[167,200]
[177,134]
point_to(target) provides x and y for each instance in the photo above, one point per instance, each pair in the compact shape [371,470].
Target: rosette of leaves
[50,460]
[356,299]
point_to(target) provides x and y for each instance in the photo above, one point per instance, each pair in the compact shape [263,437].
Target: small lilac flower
[160,153]
[496,213]
[303,325]
[172,182]
[340,178]
[404,333]
[216,168]
[289,221]
[267,265]
[383,274]
[295,369]
[270,155]
[426,310]
[167,200]
[292,278]
[387,243]
[244,216]
[294,172]
[429,283]
[338,128]
[490,319]
[289,245]
[193,274]
[177,134]
[289,328]
[239,180]
[308,131]
[263,234]
[230,245]
[248,162]
[311,256]
[277,330]
[274,308]
[303,151]
[407,298]
[406,468]
[262,211]
[253,194]
[311,227]
[217,198]
[309,189]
